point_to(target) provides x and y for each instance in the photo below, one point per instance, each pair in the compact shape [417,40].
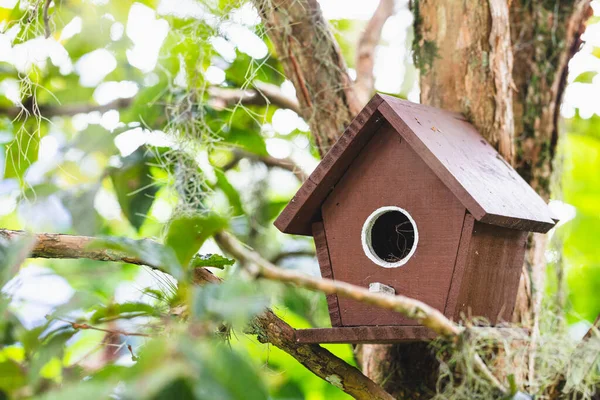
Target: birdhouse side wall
[326,272]
[388,172]
[492,271]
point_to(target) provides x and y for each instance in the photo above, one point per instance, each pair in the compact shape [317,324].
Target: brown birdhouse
[412,200]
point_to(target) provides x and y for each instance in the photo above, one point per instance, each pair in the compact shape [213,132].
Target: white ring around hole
[365,237]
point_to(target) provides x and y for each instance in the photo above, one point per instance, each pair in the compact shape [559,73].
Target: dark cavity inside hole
[392,236]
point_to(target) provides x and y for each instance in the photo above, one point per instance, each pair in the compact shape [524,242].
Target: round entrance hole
[389,236]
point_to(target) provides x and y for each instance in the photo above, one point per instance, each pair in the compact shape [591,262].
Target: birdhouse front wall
[390,223]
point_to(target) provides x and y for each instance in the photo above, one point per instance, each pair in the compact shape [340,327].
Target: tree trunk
[501,63]
[465,51]
[312,60]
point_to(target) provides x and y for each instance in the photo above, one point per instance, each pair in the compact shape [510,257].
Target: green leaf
[135,187]
[232,194]
[96,138]
[149,252]
[187,233]
[12,376]
[596,52]
[247,139]
[233,301]
[229,374]
[82,390]
[123,310]
[52,347]
[211,260]
[12,253]
[85,219]
[23,150]
[586,77]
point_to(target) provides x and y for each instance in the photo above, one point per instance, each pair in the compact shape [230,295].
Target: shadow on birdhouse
[412,200]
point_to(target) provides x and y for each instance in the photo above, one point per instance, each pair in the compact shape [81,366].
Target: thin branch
[365,52]
[47,30]
[56,245]
[289,254]
[283,163]
[78,326]
[594,328]
[411,308]
[268,326]
[262,94]
[414,309]
[64,110]
[313,62]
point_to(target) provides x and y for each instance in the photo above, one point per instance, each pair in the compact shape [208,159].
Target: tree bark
[465,53]
[501,63]
[312,60]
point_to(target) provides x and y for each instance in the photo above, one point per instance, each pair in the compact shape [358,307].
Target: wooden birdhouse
[412,200]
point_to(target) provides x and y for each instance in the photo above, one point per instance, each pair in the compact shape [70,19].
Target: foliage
[153,163]
[113,130]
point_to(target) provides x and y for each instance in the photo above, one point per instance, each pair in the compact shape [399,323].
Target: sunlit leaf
[211,260]
[234,301]
[147,251]
[12,253]
[135,187]
[187,233]
[232,194]
[123,310]
[12,376]
[84,218]
[586,77]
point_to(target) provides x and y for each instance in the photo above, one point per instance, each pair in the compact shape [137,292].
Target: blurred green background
[113,126]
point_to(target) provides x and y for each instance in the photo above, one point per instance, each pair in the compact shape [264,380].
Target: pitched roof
[489,188]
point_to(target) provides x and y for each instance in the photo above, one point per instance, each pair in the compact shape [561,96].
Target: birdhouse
[412,200]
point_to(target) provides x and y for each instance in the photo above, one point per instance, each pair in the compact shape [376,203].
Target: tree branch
[364,84]
[47,31]
[268,326]
[262,94]
[312,60]
[56,245]
[283,163]
[289,254]
[411,308]
[64,110]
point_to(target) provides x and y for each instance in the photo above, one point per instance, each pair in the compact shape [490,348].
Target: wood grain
[493,268]
[304,208]
[459,265]
[326,271]
[364,334]
[471,168]
[389,173]
[485,184]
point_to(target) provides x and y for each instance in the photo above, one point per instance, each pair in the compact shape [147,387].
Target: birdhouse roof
[489,188]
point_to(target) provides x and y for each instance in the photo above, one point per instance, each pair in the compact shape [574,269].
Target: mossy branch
[268,326]
[364,84]
[411,308]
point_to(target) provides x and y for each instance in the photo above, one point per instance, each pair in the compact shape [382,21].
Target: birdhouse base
[364,334]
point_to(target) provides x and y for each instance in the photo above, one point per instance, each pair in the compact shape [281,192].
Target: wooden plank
[364,334]
[389,173]
[471,168]
[493,268]
[459,265]
[326,271]
[486,184]
[304,208]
